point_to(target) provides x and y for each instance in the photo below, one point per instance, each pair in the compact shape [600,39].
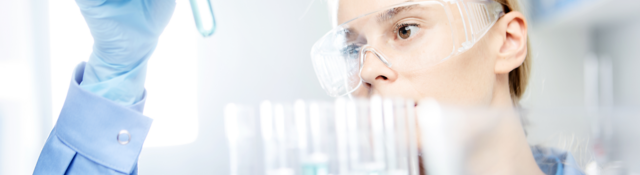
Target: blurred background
[585,57]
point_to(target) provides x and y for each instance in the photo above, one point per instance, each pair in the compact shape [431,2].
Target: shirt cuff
[91,125]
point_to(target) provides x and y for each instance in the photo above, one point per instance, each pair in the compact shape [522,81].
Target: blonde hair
[519,77]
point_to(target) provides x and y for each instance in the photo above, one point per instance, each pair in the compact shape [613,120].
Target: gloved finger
[159,13]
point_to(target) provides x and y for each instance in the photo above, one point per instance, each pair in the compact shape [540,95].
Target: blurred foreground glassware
[603,139]
[376,137]
[203,15]
[278,134]
[241,129]
[321,138]
[394,137]
[315,137]
[469,140]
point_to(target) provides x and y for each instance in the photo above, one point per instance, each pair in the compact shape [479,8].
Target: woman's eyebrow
[389,14]
[350,33]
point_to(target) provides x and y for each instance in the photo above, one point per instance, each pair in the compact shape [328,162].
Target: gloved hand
[125,34]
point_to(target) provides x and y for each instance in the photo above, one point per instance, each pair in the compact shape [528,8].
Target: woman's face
[463,79]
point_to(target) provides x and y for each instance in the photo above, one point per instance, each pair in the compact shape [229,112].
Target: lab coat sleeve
[84,139]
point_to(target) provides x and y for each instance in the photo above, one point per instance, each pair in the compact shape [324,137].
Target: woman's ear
[513,27]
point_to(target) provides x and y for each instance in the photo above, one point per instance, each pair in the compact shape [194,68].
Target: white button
[124,137]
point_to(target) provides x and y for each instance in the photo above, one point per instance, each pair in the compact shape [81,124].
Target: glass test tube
[278,136]
[231,130]
[203,15]
[315,137]
[243,140]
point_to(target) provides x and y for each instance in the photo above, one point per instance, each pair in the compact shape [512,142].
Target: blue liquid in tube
[315,169]
[203,15]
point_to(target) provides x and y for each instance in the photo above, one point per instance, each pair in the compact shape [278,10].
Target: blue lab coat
[85,137]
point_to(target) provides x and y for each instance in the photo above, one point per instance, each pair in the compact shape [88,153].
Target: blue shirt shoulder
[555,162]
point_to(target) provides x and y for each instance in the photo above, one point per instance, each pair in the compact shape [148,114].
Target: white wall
[558,93]
[561,42]
[24,84]
[557,70]
[620,42]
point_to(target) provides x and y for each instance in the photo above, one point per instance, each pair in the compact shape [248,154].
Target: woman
[465,53]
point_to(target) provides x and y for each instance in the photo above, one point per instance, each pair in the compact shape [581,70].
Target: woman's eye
[407,30]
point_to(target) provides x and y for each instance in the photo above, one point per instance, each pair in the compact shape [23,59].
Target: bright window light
[171,78]
[172,82]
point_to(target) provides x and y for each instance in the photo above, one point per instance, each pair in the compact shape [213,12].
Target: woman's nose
[375,72]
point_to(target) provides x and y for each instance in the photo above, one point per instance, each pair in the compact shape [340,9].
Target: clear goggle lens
[409,36]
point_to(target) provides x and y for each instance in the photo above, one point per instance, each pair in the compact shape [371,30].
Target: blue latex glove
[125,34]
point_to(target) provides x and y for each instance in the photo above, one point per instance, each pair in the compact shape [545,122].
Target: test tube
[203,15]
[315,137]
[278,134]
[342,145]
[363,126]
[400,138]
[231,130]
[241,129]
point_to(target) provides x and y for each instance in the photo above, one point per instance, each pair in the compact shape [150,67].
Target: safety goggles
[409,36]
